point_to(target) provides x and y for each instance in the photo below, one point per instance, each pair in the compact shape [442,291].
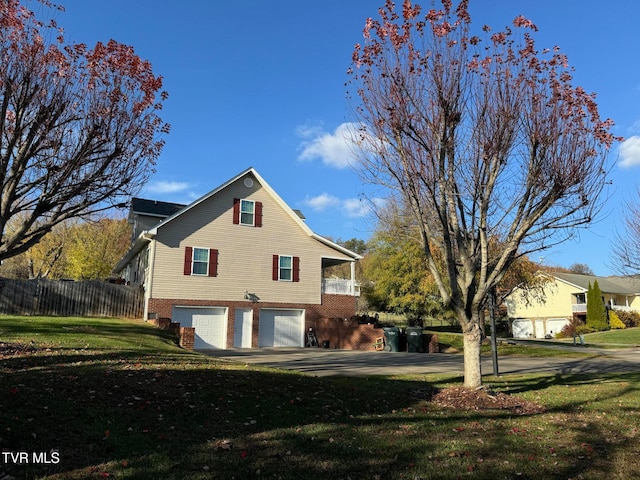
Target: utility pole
[494,341]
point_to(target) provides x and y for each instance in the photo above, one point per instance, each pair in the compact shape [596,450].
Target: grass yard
[117,399]
[624,337]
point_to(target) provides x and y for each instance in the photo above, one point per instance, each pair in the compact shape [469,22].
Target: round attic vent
[248,182]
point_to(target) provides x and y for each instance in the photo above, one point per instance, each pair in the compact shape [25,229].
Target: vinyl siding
[245,252]
[557,303]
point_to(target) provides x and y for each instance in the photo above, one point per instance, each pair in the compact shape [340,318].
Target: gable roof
[610,284]
[146,236]
[154,208]
[296,218]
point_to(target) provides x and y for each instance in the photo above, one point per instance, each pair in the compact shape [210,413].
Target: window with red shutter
[247,212]
[285,268]
[296,269]
[213,262]
[236,211]
[188,255]
[201,261]
[258,213]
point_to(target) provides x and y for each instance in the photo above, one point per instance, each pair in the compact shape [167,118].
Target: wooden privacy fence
[62,298]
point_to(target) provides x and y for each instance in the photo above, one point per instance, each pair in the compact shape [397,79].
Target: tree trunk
[472,367]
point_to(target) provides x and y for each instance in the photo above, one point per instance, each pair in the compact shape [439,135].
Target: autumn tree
[95,248]
[79,126]
[396,273]
[486,139]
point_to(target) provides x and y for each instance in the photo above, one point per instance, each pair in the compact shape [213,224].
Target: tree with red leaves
[79,127]
[485,137]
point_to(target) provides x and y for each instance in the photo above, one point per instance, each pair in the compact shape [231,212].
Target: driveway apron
[326,362]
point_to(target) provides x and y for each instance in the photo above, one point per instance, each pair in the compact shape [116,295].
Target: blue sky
[261,83]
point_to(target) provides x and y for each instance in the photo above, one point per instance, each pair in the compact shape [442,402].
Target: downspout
[149,280]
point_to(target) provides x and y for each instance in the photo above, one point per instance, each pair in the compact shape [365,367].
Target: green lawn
[624,337]
[118,399]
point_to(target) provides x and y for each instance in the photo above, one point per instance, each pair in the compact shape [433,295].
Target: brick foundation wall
[346,333]
[332,306]
[187,337]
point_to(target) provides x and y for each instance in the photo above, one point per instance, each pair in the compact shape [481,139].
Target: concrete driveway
[326,362]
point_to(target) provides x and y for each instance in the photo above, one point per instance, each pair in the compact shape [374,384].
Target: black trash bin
[392,339]
[414,339]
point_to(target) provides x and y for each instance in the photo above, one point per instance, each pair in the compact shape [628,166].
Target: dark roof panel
[154,208]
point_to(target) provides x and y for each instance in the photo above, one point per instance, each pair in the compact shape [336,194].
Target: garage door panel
[210,325]
[522,328]
[281,328]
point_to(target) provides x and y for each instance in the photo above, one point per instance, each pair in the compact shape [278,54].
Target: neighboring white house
[565,297]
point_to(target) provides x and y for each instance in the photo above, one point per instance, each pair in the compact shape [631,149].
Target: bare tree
[79,130]
[625,256]
[484,137]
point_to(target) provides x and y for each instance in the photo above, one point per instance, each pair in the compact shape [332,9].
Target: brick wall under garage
[332,306]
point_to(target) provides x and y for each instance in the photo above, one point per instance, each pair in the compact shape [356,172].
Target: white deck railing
[338,286]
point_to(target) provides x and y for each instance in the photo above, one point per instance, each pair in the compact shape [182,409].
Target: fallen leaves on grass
[10,349]
[462,398]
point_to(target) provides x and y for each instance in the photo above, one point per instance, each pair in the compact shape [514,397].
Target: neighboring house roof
[611,284]
[146,236]
[154,208]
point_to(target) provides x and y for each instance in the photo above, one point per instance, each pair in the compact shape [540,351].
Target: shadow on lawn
[186,416]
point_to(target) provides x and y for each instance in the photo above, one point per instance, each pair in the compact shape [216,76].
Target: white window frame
[280,269]
[252,213]
[193,261]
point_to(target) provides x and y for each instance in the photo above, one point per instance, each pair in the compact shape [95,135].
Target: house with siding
[564,297]
[238,265]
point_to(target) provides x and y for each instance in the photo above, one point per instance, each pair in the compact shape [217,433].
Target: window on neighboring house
[247,212]
[201,261]
[286,268]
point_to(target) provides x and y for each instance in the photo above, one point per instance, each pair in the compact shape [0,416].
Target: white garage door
[522,328]
[281,328]
[555,325]
[210,324]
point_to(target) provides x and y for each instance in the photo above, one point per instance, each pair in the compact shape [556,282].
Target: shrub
[583,329]
[614,320]
[568,331]
[630,319]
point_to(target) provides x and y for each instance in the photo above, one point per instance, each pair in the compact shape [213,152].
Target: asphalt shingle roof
[154,207]
[612,284]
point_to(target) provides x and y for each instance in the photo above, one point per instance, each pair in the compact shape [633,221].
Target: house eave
[141,242]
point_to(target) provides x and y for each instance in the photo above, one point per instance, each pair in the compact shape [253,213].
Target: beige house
[238,265]
[565,297]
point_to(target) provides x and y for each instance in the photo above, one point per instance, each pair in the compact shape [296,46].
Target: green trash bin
[392,339]
[414,339]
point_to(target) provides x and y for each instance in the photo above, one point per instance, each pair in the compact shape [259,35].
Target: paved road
[325,362]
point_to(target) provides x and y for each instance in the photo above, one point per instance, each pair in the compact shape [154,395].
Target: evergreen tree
[596,310]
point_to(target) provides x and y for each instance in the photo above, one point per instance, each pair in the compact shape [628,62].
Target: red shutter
[258,214]
[296,269]
[188,255]
[275,270]
[236,211]
[213,262]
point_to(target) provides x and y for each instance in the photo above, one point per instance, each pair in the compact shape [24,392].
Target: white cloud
[355,207]
[630,152]
[165,187]
[351,207]
[322,202]
[334,149]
